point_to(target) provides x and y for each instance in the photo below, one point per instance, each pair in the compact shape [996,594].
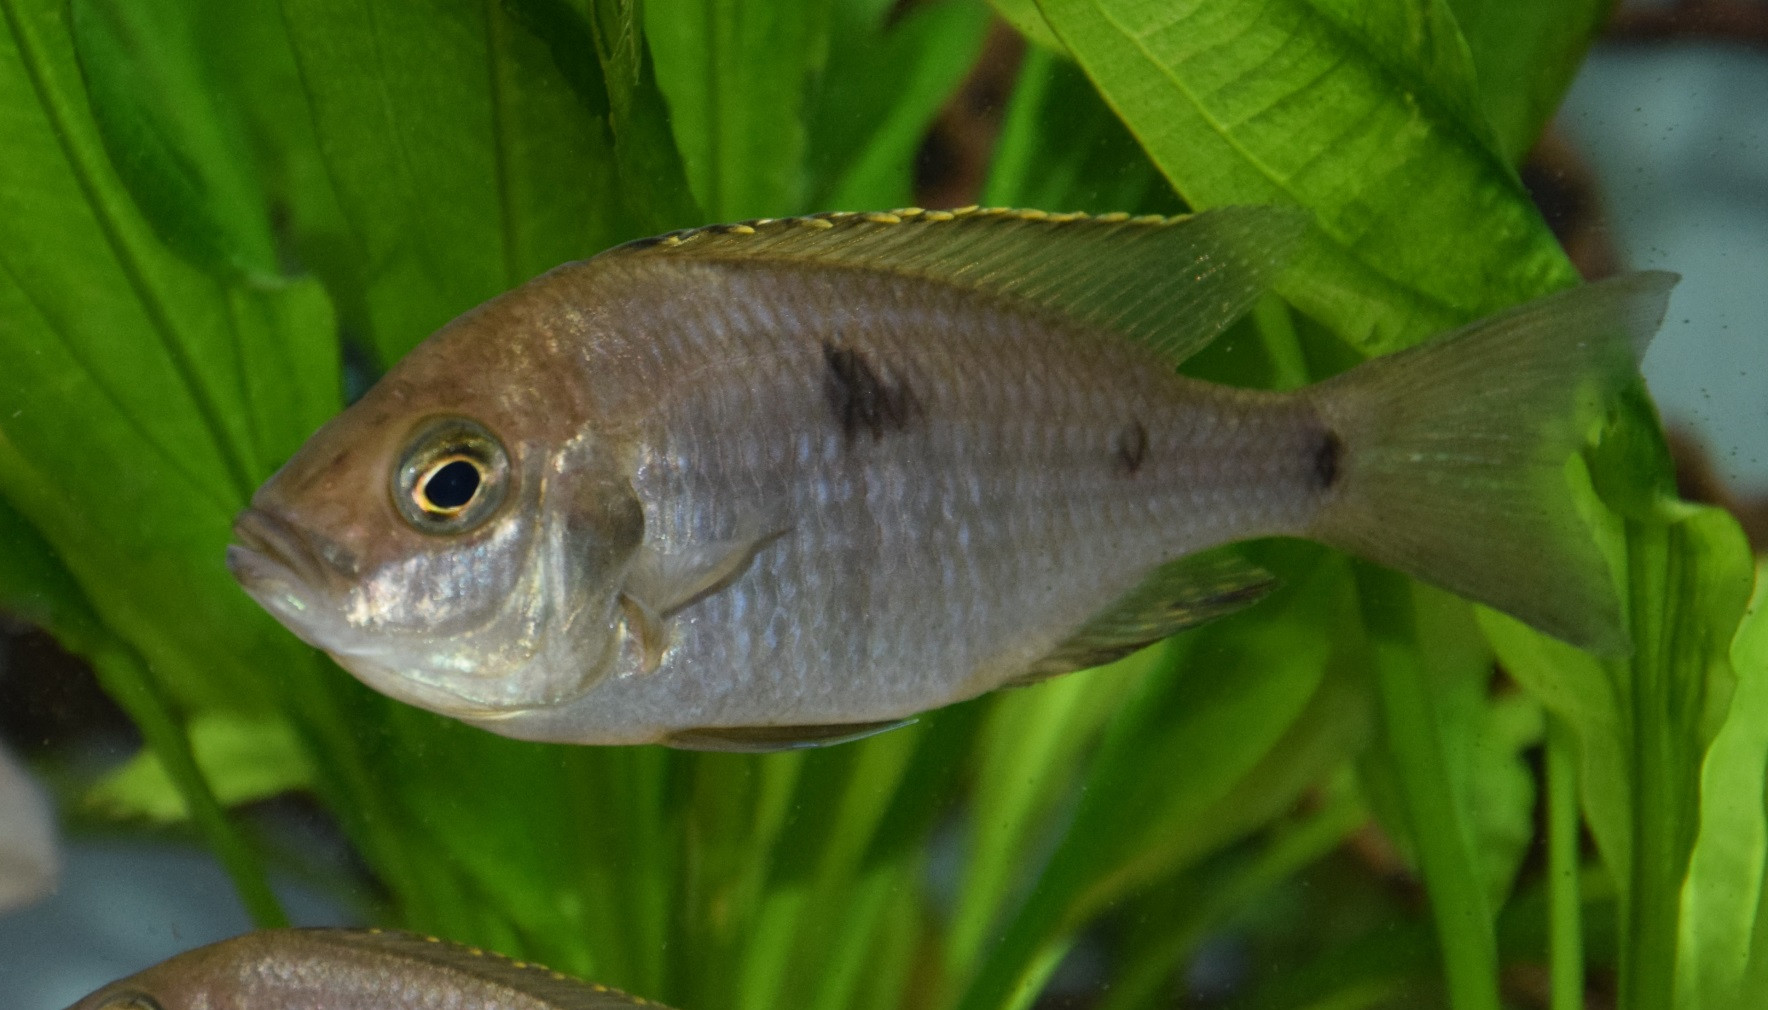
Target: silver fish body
[753,497]
[348,969]
[934,516]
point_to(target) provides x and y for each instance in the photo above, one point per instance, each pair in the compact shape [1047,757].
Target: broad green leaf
[464,161]
[132,359]
[176,142]
[1499,785]
[1722,897]
[1340,108]
[1025,17]
[735,74]
[884,85]
[243,759]
[1524,55]
[132,434]
[1690,579]
[37,589]
[1644,725]
[598,47]
[246,53]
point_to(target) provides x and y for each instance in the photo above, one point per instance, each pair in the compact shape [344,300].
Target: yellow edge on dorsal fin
[1172,283]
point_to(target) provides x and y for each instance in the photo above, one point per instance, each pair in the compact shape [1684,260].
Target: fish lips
[280,567]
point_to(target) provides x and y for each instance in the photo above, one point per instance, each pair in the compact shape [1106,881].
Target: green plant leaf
[1722,897]
[1644,725]
[1025,17]
[1061,148]
[177,145]
[885,84]
[464,161]
[1209,897]
[136,357]
[1175,776]
[735,74]
[34,586]
[1337,107]
[243,760]
[37,589]
[133,433]
[1029,758]
[1432,791]
[598,47]
[1524,55]
[1443,720]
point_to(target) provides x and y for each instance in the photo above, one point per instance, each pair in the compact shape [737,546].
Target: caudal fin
[1452,459]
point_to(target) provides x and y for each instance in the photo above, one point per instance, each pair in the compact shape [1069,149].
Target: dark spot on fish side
[863,401]
[1131,445]
[1326,458]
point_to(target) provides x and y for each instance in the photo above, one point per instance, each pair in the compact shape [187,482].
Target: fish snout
[268,547]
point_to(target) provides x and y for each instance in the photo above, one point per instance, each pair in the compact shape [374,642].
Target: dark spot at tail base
[1327,455]
[1131,445]
[862,401]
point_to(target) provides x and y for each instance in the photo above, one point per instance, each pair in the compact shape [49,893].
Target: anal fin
[1178,595]
[661,585]
[753,739]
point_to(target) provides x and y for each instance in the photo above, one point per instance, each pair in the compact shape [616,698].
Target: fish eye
[451,477]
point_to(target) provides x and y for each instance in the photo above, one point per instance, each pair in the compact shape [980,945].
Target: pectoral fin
[660,585]
[665,583]
[1177,595]
[754,739]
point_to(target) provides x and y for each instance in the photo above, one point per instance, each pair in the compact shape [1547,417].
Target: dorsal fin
[1172,283]
[1178,595]
[551,988]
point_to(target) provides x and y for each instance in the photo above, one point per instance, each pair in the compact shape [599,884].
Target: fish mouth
[272,553]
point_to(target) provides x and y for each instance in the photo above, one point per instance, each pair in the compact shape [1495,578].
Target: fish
[350,969]
[30,860]
[792,482]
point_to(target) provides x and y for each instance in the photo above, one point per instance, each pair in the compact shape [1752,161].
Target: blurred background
[1658,158]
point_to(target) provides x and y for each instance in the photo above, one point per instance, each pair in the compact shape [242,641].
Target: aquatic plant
[202,205]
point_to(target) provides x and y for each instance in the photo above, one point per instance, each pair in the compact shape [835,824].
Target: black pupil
[452,486]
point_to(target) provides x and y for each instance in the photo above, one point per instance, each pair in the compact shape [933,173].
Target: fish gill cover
[196,209]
